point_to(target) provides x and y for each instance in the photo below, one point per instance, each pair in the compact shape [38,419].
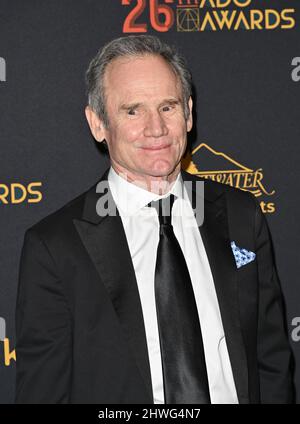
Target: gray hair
[132,45]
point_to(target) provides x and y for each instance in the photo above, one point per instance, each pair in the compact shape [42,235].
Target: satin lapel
[105,241]
[215,235]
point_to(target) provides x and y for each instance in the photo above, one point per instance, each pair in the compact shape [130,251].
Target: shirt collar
[131,198]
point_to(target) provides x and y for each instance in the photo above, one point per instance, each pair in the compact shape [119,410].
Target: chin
[161,171]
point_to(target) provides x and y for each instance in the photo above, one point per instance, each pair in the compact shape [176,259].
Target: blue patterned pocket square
[242,256]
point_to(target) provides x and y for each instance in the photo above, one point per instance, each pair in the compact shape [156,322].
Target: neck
[156,184]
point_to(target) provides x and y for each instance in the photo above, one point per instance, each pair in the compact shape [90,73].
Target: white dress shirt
[141,227]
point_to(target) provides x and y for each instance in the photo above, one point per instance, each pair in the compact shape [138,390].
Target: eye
[131,111]
[167,108]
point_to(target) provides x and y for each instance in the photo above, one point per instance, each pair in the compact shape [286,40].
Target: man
[141,306]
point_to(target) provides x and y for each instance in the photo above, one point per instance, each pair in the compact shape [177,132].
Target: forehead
[148,75]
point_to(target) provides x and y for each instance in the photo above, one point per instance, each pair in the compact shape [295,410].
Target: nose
[155,125]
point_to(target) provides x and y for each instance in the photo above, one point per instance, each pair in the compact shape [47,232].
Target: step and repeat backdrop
[244,56]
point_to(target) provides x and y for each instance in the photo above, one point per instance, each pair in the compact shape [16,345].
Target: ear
[95,124]
[189,123]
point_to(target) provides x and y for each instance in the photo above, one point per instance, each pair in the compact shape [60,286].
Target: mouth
[158,147]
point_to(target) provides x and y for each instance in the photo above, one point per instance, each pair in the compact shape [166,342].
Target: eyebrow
[170,101]
[125,106]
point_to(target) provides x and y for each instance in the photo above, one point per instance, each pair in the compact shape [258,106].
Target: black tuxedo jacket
[79,323]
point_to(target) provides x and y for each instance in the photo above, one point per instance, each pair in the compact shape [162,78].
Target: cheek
[180,137]
[128,138]
[122,137]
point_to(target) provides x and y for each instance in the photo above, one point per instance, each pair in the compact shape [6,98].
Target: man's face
[147,129]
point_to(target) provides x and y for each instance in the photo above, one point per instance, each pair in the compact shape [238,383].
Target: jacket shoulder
[59,220]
